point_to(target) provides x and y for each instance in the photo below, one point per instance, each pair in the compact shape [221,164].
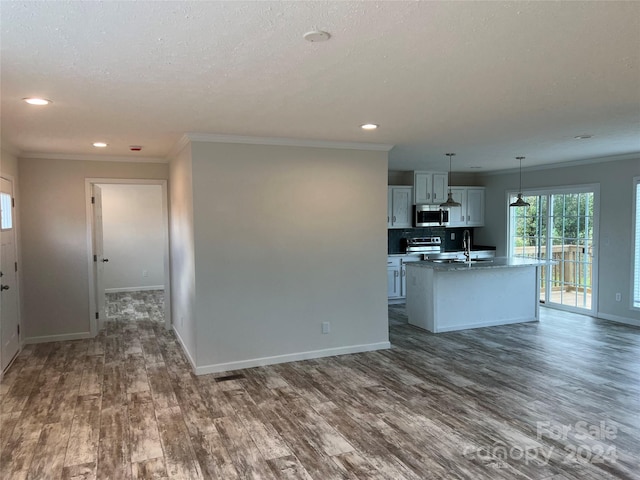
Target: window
[5,211]
[636,263]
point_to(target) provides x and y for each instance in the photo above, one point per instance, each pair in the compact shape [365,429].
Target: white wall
[287,238]
[615,242]
[181,230]
[133,236]
[54,241]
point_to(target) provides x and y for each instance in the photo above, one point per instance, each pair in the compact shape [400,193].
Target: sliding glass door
[559,225]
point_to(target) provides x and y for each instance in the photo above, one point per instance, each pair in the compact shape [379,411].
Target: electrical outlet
[618,297]
[145,273]
[326,327]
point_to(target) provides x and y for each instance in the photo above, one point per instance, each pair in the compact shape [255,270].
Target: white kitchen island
[442,297]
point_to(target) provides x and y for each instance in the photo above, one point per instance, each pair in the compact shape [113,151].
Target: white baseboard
[134,289]
[57,338]
[185,349]
[292,357]
[619,319]
[471,326]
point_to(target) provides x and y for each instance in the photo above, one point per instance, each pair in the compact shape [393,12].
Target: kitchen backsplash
[395,237]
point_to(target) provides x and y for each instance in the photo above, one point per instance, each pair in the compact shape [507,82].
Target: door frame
[97,325]
[595,260]
[16,252]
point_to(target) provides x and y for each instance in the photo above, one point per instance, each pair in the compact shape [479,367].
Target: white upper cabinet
[430,187]
[471,213]
[399,207]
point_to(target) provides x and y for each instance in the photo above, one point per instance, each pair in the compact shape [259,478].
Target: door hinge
[16,266]
[13,202]
[95,258]
[93,199]
[18,329]
[97,315]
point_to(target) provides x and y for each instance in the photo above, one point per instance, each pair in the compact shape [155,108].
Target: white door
[98,255]
[9,326]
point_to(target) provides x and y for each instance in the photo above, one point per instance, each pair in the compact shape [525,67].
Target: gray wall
[615,246]
[133,236]
[181,228]
[54,241]
[285,238]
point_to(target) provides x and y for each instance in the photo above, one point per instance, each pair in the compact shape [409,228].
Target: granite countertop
[496,262]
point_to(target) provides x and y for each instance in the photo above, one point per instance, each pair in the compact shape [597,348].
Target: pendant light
[450,201]
[519,202]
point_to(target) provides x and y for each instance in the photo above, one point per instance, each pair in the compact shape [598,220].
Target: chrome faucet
[466,244]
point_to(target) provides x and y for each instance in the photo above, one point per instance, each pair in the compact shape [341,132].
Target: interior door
[98,252]
[9,326]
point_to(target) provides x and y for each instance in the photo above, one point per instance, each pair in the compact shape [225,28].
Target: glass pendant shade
[519,201]
[450,201]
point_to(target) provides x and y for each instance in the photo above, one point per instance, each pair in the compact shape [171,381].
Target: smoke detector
[316,36]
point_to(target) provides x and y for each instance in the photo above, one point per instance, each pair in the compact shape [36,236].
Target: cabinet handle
[395,273]
[394,219]
[404,273]
[428,196]
[468,217]
[462,218]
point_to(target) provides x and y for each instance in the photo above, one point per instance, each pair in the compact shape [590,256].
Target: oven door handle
[441,216]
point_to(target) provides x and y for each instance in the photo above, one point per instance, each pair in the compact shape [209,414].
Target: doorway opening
[129,251]
[560,225]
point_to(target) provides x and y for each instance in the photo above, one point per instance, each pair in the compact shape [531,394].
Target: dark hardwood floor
[558,399]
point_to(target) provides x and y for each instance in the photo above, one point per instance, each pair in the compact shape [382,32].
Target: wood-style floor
[510,402]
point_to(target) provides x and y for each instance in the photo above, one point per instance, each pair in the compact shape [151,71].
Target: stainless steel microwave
[430,216]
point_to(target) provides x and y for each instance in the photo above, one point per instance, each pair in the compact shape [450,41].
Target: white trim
[281,141]
[292,357]
[178,147]
[618,319]
[185,349]
[95,326]
[93,158]
[634,215]
[489,323]
[134,289]
[58,338]
[567,164]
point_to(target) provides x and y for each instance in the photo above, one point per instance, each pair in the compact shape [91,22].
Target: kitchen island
[447,296]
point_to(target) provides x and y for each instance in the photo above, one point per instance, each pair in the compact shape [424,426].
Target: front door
[9,328]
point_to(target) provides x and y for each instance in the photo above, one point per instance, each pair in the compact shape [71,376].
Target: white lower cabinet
[471,213]
[397,275]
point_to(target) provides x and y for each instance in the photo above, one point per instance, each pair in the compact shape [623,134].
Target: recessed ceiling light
[316,36]
[369,126]
[37,101]
[99,144]
[582,137]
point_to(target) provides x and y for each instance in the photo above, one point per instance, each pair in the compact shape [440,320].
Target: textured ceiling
[487,80]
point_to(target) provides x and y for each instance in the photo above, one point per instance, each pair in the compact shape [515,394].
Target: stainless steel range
[424,245]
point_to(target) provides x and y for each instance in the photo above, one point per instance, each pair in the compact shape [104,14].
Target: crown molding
[569,163]
[92,158]
[281,141]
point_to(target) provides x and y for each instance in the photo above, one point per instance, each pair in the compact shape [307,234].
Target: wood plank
[48,460]
[136,379]
[289,468]
[179,456]
[245,455]
[212,456]
[114,456]
[91,383]
[145,438]
[153,469]
[161,388]
[85,432]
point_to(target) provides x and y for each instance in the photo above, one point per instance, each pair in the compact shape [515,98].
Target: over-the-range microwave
[430,216]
